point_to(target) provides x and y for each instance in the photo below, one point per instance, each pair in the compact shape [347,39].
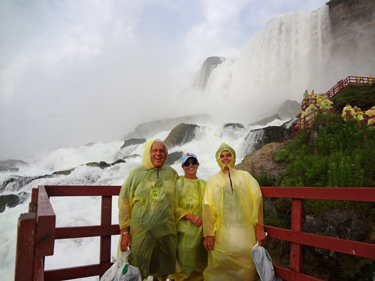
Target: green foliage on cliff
[342,156]
[360,96]
[333,153]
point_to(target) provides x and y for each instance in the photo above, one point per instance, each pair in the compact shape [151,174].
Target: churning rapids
[78,211]
[289,54]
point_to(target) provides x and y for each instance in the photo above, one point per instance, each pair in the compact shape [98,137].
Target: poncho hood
[222,148]
[146,160]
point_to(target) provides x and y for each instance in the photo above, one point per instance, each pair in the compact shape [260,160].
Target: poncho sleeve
[179,212]
[257,212]
[124,201]
[208,214]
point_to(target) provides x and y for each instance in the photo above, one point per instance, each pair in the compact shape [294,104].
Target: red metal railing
[349,81]
[31,262]
[31,248]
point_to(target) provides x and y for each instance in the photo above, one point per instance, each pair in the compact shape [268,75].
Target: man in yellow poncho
[349,108]
[146,206]
[191,254]
[232,221]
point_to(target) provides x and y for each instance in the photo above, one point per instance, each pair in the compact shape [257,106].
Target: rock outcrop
[150,128]
[12,200]
[261,161]
[10,165]
[272,134]
[201,78]
[181,134]
[132,141]
[173,157]
[289,110]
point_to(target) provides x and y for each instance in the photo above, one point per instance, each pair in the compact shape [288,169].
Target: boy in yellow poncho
[191,254]
[232,220]
[146,206]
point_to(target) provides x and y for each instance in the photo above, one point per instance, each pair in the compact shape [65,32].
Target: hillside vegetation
[332,153]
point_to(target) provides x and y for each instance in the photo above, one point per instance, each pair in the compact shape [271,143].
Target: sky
[74,72]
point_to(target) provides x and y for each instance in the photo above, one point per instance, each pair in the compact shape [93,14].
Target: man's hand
[261,235]
[194,219]
[209,243]
[125,242]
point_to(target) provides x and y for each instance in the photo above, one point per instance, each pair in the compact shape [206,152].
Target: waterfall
[285,57]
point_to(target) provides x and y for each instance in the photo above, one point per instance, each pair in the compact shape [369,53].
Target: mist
[74,72]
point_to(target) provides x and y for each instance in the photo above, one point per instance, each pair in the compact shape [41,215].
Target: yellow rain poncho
[146,205]
[308,110]
[319,99]
[347,108]
[191,254]
[326,104]
[369,113]
[306,95]
[232,207]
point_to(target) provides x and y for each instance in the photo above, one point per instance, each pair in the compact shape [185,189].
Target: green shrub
[343,155]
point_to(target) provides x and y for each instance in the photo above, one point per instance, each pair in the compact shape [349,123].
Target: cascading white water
[288,55]
[77,211]
[285,57]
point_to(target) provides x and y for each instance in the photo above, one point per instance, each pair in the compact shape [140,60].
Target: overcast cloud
[73,72]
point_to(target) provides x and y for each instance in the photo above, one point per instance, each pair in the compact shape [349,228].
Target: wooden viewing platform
[37,231]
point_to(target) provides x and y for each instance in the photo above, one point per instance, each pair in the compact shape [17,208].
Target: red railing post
[46,220]
[106,219]
[297,225]
[24,270]
[38,269]
[34,200]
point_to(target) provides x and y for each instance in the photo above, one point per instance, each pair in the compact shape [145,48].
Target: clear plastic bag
[263,263]
[122,271]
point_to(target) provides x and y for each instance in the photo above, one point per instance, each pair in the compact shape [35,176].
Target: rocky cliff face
[353,31]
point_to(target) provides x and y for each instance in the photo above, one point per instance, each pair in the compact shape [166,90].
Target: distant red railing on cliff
[350,81]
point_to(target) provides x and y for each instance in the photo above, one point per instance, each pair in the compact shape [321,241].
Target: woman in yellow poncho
[232,220]
[191,254]
[146,206]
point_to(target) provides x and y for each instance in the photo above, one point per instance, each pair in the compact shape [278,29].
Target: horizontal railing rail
[45,218]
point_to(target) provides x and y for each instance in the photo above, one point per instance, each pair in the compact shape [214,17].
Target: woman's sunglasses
[192,162]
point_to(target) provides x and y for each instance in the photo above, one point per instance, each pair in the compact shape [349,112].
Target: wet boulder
[130,156]
[289,110]
[181,134]
[173,157]
[12,200]
[132,141]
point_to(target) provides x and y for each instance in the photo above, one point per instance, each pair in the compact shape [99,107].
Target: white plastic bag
[263,263]
[122,271]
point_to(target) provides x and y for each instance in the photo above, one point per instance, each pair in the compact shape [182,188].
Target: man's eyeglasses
[192,162]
